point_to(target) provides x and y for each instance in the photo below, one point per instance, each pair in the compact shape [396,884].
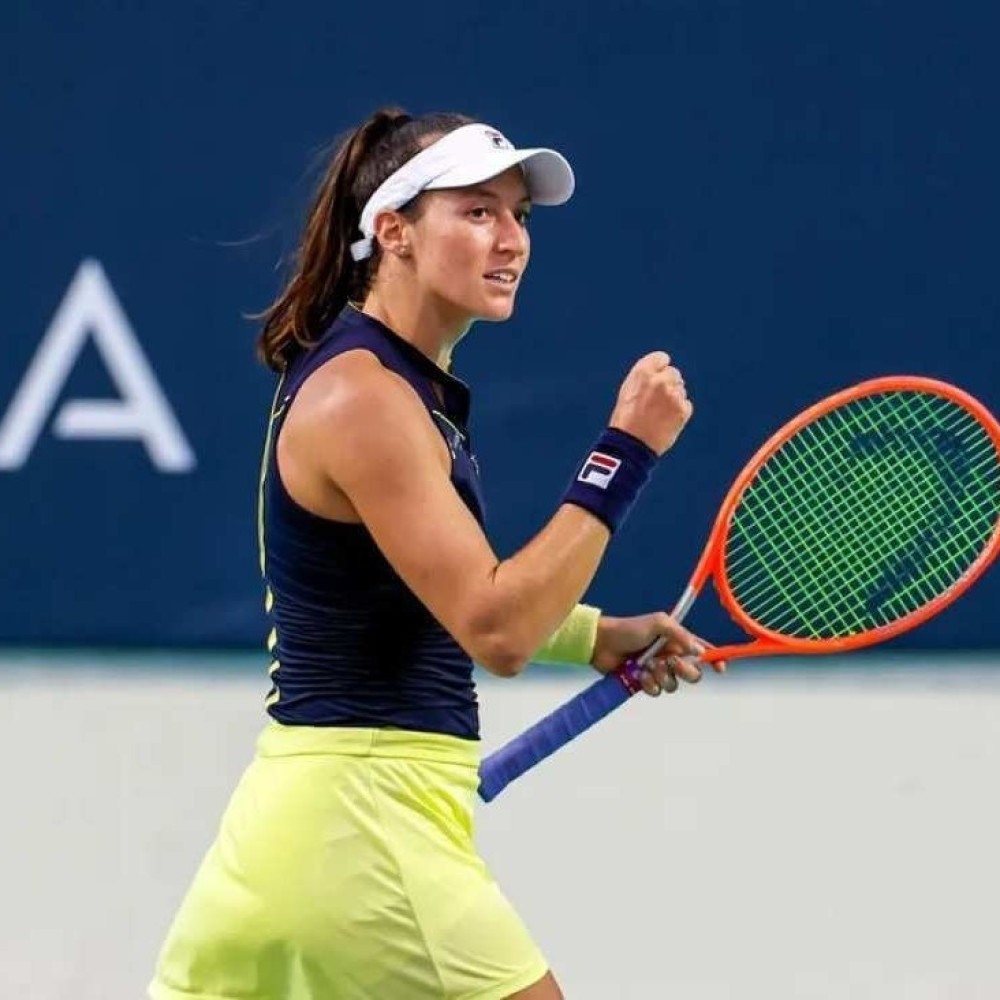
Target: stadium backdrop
[788,197]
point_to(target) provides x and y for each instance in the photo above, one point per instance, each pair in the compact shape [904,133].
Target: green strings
[864,516]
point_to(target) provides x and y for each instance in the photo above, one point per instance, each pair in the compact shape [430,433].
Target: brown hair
[326,277]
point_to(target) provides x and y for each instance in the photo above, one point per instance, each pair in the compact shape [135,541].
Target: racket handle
[542,740]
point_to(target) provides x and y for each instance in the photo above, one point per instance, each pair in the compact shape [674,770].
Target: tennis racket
[864,516]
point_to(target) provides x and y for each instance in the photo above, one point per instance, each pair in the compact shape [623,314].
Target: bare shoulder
[352,381]
[375,414]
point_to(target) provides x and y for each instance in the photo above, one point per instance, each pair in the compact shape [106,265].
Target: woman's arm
[364,431]
[588,637]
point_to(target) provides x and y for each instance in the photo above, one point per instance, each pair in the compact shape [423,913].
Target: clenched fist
[652,403]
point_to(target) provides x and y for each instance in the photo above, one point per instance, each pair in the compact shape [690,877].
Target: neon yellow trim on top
[272,640]
[573,641]
[276,412]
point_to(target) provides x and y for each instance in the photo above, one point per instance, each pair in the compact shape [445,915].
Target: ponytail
[326,277]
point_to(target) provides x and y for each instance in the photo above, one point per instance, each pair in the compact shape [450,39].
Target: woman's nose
[512,236]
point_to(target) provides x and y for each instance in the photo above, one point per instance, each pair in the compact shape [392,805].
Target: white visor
[468,155]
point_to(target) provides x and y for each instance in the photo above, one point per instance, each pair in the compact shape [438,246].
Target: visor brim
[548,175]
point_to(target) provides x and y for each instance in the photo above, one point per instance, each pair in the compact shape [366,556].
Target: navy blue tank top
[351,645]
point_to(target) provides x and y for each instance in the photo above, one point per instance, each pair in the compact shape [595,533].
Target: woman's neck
[428,324]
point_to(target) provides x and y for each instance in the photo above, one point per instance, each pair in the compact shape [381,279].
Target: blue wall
[789,197]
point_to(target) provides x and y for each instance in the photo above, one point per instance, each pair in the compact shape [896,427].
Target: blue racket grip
[544,738]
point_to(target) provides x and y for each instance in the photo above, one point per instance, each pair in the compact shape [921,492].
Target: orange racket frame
[712,565]
[605,695]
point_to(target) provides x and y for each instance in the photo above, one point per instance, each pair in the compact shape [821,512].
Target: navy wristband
[612,476]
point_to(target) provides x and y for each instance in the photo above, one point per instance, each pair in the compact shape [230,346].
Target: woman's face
[470,246]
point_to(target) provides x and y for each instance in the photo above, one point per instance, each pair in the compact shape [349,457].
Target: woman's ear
[392,233]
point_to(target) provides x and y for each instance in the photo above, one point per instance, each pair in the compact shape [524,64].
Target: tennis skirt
[345,869]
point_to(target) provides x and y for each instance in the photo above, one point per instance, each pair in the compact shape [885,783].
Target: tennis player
[345,867]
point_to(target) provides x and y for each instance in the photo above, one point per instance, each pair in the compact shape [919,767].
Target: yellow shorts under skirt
[344,869]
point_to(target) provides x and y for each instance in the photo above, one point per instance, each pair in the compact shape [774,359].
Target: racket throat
[683,606]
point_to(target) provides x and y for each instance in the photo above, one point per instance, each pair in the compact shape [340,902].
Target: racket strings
[873,543]
[932,476]
[863,516]
[803,606]
[877,545]
[960,514]
[809,533]
[843,574]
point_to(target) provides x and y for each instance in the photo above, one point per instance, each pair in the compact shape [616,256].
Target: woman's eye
[479,212]
[523,216]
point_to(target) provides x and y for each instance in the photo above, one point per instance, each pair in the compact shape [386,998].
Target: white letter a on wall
[90,307]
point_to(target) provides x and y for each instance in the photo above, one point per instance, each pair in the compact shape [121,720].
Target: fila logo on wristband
[599,470]
[611,477]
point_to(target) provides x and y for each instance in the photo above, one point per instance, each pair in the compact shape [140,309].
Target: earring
[403,251]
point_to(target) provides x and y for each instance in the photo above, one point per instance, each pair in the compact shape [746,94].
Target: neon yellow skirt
[345,869]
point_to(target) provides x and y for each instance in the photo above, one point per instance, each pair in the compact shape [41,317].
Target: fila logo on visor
[499,142]
[599,470]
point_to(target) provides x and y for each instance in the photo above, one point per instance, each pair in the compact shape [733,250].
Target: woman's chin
[497,310]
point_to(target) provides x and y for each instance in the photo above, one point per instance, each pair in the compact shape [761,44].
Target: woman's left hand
[619,638]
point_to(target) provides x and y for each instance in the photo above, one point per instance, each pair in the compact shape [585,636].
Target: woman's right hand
[652,403]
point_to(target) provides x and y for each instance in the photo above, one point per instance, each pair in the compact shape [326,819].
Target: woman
[344,868]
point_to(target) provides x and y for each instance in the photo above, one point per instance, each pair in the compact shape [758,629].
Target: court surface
[793,831]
